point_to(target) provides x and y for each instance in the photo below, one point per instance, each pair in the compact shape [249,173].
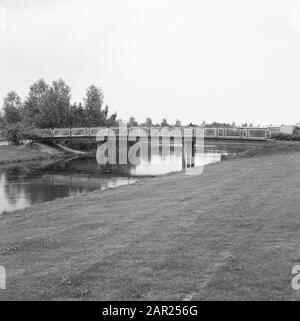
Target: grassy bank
[230,233]
[271,148]
[266,149]
[30,152]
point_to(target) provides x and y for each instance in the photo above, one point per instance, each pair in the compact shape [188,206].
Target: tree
[218,125]
[55,106]
[12,108]
[112,121]
[33,103]
[77,115]
[132,122]
[13,132]
[16,133]
[178,123]
[49,106]
[2,123]
[105,113]
[148,122]
[164,123]
[93,107]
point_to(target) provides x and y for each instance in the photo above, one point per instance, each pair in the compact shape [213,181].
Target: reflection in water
[25,185]
[37,182]
[170,163]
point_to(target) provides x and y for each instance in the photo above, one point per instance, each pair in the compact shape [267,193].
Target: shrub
[31,133]
[282,136]
[17,133]
[13,133]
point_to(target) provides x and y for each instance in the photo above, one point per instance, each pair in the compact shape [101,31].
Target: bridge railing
[80,131]
[61,132]
[45,132]
[259,133]
[210,132]
[94,130]
[230,133]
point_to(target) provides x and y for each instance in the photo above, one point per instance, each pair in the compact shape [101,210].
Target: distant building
[290,130]
[287,129]
[275,130]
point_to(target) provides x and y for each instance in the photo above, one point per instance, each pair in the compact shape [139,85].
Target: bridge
[239,134]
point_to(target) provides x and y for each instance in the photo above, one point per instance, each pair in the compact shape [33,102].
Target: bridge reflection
[82,182]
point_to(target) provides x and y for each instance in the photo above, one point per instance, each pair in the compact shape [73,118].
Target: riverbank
[230,233]
[269,148]
[32,152]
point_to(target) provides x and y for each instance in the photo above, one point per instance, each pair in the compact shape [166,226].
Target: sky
[193,60]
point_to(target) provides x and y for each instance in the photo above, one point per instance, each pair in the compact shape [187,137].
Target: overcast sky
[212,60]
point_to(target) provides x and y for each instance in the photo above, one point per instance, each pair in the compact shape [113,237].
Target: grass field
[21,153]
[31,152]
[231,233]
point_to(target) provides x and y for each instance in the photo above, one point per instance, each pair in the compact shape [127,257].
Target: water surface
[25,184]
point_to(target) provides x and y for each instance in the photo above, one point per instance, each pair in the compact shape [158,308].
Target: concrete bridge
[237,134]
[188,139]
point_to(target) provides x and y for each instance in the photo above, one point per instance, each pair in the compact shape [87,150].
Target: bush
[31,133]
[17,133]
[282,136]
[13,133]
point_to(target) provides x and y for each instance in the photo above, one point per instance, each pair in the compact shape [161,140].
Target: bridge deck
[244,134]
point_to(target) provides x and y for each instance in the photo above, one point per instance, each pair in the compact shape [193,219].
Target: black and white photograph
[149,153]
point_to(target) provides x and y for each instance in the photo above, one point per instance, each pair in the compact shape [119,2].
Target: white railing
[226,133]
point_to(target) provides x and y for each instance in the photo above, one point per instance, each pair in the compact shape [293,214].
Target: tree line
[132,122]
[49,106]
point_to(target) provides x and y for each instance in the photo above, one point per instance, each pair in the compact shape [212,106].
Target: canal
[25,184]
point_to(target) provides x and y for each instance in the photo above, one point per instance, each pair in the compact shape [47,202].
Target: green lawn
[230,233]
[14,154]
[32,152]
